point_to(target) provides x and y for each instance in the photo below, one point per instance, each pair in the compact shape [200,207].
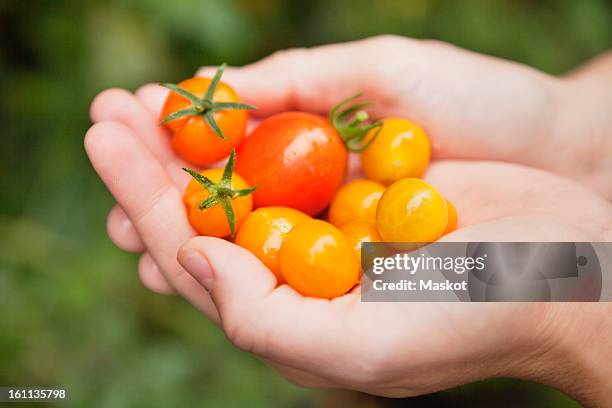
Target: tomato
[452,218]
[204,128]
[358,232]
[354,201]
[264,231]
[399,149]
[299,159]
[296,159]
[217,201]
[410,210]
[317,260]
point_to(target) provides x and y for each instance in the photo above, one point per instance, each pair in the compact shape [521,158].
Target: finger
[152,97]
[153,203]
[484,191]
[300,377]
[151,277]
[520,228]
[122,232]
[275,323]
[121,106]
[312,79]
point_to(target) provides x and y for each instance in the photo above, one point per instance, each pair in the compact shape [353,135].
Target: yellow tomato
[354,201]
[317,260]
[358,232]
[213,221]
[264,231]
[452,218]
[410,210]
[401,149]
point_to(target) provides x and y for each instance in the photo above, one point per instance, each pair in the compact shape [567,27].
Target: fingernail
[198,266]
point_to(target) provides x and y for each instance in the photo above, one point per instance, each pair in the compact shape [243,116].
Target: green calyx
[204,106]
[353,123]
[221,193]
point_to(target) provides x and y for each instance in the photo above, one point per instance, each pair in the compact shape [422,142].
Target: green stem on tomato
[353,123]
[204,106]
[221,193]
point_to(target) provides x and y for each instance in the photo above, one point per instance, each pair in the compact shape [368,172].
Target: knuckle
[239,328]
[105,101]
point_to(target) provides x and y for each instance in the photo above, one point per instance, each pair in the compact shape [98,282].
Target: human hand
[403,349]
[132,155]
[496,110]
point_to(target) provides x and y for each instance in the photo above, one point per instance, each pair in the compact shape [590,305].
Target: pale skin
[523,155]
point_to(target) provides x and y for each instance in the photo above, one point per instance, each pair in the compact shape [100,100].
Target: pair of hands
[487,119]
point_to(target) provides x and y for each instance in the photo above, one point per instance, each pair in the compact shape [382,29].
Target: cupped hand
[472,106]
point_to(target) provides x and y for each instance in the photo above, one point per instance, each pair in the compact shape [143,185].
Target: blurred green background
[73,311]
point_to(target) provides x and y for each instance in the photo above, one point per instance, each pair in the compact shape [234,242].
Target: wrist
[572,352]
[580,132]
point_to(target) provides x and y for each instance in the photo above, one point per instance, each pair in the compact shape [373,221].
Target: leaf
[231,105]
[210,119]
[179,114]
[226,203]
[226,179]
[203,180]
[209,202]
[215,81]
[183,92]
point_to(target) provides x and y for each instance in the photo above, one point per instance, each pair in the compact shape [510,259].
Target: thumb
[236,280]
[312,79]
[224,268]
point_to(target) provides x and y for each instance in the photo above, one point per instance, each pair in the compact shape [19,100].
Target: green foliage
[73,311]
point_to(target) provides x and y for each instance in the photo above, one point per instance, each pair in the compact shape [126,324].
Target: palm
[495,202]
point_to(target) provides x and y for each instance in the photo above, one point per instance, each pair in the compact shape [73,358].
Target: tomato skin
[358,232]
[401,150]
[356,200]
[213,221]
[263,232]
[452,218]
[317,260]
[410,210]
[192,137]
[296,159]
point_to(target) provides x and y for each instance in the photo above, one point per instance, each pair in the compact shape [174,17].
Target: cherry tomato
[317,260]
[264,230]
[354,201]
[296,159]
[358,232]
[452,218]
[410,210]
[217,201]
[204,128]
[400,149]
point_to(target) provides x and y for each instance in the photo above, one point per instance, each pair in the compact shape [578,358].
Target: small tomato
[452,218]
[264,230]
[399,149]
[354,201]
[217,201]
[317,260]
[206,118]
[411,210]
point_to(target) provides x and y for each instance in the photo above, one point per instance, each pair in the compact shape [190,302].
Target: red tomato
[296,159]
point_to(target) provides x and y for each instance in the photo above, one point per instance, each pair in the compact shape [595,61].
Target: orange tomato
[452,218]
[410,210]
[358,232]
[264,230]
[194,137]
[317,260]
[204,204]
[354,201]
[401,149]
